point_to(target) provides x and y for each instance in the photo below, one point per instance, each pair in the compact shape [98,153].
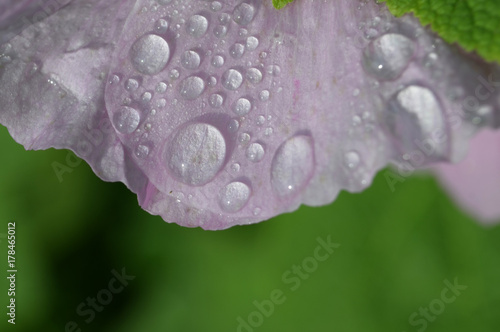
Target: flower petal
[475,181]
[224,114]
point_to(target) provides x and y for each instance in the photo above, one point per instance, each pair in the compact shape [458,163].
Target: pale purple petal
[475,181]
[218,114]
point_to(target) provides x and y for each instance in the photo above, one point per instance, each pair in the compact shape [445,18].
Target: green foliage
[278,4]
[473,24]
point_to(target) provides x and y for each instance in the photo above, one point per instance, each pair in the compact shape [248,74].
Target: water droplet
[224,18]
[244,138]
[215,6]
[126,120]
[273,70]
[150,54]
[196,154]
[260,120]
[256,211]
[220,31]
[142,151]
[237,50]
[268,131]
[161,87]
[146,97]
[192,87]
[174,74]
[242,106]
[197,26]
[161,26]
[414,116]
[218,61]
[243,14]
[264,95]
[388,56]
[190,60]
[292,165]
[255,152]
[352,159]
[252,43]
[232,79]
[235,167]
[234,196]
[254,75]
[131,84]
[233,126]
[216,100]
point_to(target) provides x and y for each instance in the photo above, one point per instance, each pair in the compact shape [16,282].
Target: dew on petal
[150,54]
[192,87]
[196,154]
[232,79]
[126,120]
[292,165]
[414,116]
[197,26]
[234,196]
[255,152]
[388,56]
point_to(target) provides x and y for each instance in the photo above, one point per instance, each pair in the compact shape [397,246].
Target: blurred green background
[396,251]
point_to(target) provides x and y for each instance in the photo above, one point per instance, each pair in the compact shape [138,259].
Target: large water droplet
[196,154]
[388,56]
[243,14]
[415,119]
[292,165]
[197,26]
[150,54]
[126,120]
[255,152]
[190,60]
[192,87]
[232,79]
[234,196]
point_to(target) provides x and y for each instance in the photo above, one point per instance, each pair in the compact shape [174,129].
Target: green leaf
[473,24]
[278,4]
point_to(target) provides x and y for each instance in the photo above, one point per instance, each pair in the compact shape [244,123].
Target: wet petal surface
[218,115]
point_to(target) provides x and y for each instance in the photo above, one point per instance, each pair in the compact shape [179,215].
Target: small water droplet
[254,75]
[217,61]
[216,100]
[255,152]
[264,95]
[190,60]
[233,126]
[126,120]
[243,14]
[197,26]
[142,151]
[192,87]
[242,106]
[252,43]
[237,50]
[352,159]
[234,196]
[232,79]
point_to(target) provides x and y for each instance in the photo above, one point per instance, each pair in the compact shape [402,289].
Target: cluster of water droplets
[232,75]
